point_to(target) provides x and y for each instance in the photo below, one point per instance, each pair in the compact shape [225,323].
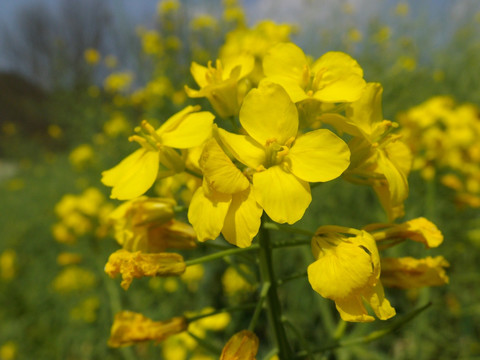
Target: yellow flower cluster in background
[443,136]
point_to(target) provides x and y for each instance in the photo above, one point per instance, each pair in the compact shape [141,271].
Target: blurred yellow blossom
[72,279]
[408,272]
[81,156]
[168,6]
[118,81]
[9,350]
[234,283]
[86,310]
[54,131]
[402,9]
[203,21]
[8,264]
[67,258]
[92,56]
[192,276]
[116,125]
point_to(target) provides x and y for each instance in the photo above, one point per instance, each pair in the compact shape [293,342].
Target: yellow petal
[243,148]
[282,195]
[243,219]
[246,62]
[241,346]
[286,60]
[375,296]
[268,114]
[133,176]
[285,64]
[318,155]
[397,181]
[408,272]
[192,131]
[219,171]
[341,271]
[199,73]
[341,78]
[207,214]
[352,309]
[366,112]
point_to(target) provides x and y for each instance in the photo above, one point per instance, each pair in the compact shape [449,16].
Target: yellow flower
[243,345]
[378,159]
[283,162]
[92,56]
[220,85]
[8,351]
[192,276]
[136,265]
[118,81]
[334,77]
[225,202]
[81,156]
[234,283]
[73,278]
[419,229]
[347,271]
[8,264]
[66,258]
[86,310]
[135,174]
[147,224]
[129,328]
[408,272]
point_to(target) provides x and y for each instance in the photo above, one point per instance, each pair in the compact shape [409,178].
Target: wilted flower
[137,265]
[129,328]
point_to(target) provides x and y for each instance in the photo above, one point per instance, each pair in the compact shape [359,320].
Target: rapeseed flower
[408,272]
[130,328]
[220,84]
[347,271]
[334,77]
[282,161]
[137,264]
[225,202]
[135,174]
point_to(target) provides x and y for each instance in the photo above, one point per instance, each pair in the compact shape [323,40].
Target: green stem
[220,254]
[258,308]
[273,303]
[206,344]
[369,337]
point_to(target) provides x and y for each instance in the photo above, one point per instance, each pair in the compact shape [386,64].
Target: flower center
[275,153]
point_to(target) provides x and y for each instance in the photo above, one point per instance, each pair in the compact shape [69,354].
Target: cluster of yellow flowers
[443,136]
[269,138]
[81,214]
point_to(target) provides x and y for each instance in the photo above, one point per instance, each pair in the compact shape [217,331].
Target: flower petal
[192,131]
[243,219]
[281,194]
[133,176]
[318,155]
[352,309]
[268,114]
[341,78]
[207,213]
[375,296]
[243,148]
[219,171]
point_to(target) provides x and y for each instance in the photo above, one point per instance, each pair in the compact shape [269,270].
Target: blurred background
[77,76]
